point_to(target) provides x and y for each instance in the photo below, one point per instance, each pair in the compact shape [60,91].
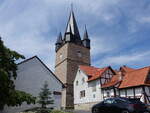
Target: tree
[8,67]
[45,97]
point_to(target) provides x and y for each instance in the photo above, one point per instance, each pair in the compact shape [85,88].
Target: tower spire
[73,24]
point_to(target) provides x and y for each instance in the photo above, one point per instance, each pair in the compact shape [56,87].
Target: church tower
[71,51]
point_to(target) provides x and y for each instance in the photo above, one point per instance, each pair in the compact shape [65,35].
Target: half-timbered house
[130,83]
[87,85]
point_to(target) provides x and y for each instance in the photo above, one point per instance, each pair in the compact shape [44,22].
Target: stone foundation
[84,106]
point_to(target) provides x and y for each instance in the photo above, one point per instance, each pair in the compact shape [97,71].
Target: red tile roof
[113,81]
[93,72]
[135,78]
[126,69]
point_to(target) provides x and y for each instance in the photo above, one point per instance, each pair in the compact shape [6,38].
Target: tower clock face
[60,56]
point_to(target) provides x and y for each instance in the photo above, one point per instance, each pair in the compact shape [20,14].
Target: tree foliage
[8,67]
[45,97]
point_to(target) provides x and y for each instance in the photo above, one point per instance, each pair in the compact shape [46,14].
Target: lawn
[54,111]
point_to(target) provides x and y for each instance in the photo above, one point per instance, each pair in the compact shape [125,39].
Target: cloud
[31,27]
[132,58]
[101,45]
[144,19]
[26,31]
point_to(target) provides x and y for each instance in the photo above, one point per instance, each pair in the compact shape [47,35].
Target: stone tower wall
[68,58]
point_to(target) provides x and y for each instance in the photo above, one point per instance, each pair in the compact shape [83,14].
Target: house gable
[43,65]
[32,73]
[80,76]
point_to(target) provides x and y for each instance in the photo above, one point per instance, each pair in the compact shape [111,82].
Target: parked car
[120,105]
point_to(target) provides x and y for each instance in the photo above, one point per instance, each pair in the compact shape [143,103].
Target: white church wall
[31,76]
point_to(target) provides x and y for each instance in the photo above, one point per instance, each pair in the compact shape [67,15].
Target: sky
[119,30]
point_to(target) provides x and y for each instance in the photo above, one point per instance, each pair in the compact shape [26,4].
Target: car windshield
[122,100]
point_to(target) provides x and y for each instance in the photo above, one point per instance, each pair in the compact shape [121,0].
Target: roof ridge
[35,56]
[43,65]
[89,66]
[138,69]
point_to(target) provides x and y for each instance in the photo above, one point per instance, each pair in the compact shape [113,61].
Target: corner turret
[86,40]
[58,42]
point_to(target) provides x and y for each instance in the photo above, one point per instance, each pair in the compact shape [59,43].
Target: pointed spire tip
[85,34]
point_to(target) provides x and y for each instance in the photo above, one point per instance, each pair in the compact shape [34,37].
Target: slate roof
[85,36]
[59,39]
[72,26]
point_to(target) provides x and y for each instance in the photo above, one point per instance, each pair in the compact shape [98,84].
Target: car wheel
[95,110]
[125,111]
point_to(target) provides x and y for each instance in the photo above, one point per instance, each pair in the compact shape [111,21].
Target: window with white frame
[82,93]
